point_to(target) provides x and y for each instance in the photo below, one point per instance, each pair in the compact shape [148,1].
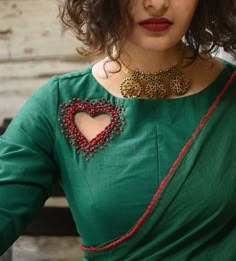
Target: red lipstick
[156,24]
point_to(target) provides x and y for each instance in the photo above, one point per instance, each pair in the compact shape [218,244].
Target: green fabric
[108,194]
[195,217]
[25,171]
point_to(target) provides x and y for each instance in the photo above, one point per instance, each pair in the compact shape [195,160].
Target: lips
[156,24]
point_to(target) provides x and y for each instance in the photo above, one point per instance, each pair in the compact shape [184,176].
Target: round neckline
[215,82]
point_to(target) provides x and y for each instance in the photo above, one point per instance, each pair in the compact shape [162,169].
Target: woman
[143,142]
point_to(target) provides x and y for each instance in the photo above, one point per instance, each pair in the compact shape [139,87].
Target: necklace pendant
[156,90]
[180,85]
[130,88]
[159,85]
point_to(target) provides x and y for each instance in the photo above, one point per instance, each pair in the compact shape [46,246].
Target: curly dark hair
[99,25]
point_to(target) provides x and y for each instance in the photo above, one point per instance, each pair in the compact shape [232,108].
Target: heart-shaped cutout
[91,126]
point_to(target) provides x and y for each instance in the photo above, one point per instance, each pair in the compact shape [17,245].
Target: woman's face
[160,24]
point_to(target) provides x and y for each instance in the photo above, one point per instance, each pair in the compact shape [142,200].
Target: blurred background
[33,47]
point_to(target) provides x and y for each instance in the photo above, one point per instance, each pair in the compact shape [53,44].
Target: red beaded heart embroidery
[93,108]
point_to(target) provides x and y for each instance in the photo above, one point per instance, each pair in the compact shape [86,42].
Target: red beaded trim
[165,181]
[93,108]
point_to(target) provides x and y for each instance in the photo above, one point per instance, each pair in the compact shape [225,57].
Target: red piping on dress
[167,178]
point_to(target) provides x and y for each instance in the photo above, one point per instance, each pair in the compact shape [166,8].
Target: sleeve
[27,166]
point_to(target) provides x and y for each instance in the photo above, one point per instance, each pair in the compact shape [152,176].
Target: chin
[158,43]
[157,46]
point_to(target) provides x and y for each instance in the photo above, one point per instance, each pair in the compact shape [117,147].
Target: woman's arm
[27,168]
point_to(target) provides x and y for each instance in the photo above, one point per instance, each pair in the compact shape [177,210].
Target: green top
[109,182]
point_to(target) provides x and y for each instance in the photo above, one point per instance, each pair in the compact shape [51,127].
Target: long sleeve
[27,166]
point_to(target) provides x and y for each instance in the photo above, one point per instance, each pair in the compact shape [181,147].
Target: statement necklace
[158,85]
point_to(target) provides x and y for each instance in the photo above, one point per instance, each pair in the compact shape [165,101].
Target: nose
[156,7]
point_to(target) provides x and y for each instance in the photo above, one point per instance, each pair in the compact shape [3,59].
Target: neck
[148,60]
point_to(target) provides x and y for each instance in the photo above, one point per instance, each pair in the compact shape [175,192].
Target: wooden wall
[33,47]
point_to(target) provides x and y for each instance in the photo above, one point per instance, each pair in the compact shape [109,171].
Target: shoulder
[229,74]
[46,100]
[62,88]
[230,65]
[75,76]
[68,83]
[230,71]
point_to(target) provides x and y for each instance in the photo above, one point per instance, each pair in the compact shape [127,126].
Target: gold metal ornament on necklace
[159,85]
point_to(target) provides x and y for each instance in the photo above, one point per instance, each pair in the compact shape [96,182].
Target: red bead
[92,107]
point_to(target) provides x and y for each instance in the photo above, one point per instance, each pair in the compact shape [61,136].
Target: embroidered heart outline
[93,108]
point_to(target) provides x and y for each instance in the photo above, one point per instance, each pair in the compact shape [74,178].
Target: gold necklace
[158,85]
